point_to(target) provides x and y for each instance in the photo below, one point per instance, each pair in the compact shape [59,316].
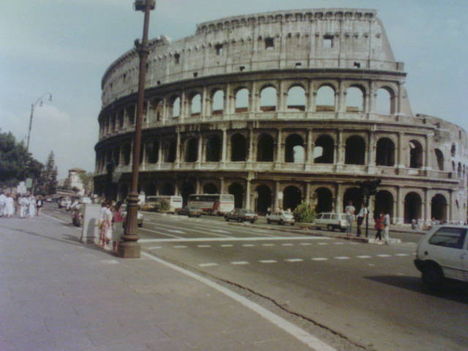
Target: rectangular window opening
[219,49]
[328,41]
[269,43]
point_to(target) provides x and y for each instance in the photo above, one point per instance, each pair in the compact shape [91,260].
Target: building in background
[281,107]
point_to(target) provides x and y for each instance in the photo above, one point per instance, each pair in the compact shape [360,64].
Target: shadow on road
[452,290]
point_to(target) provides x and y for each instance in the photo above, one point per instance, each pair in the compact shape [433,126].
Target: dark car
[189,211]
[241,215]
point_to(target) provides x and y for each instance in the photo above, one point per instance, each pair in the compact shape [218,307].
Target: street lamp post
[39,101]
[128,246]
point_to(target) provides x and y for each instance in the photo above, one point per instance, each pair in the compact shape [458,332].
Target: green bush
[305,212]
[164,206]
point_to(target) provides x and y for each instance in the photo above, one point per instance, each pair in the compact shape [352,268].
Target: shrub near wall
[304,213]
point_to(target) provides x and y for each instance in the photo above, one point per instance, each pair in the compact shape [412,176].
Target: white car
[331,221]
[443,253]
[140,217]
[280,218]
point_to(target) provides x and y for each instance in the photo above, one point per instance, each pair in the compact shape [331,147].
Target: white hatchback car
[280,218]
[443,253]
[331,221]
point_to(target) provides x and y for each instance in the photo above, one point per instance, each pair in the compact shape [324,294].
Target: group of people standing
[24,205]
[381,220]
[110,225]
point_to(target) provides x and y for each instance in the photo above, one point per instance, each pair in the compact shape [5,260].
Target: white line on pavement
[300,334]
[248,245]
[155,247]
[268,244]
[364,256]
[255,238]
[176,231]
[383,255]
[294,260]
[210,264]
[227,245]
[402,254]
[203,245]
[159,232]
[180,247]
[323,243]
[319,259]
[267,261]
[287,244]
[341,258]
[305,244]
[239,262]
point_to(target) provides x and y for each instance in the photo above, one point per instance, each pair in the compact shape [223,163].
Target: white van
[443,253]
[153,203]
[331,221]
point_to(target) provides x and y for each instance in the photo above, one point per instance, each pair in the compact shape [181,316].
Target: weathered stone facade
[282,107]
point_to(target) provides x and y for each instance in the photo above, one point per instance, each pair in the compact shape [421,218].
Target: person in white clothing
[386,223]
[23,203]
[32,206]
[9,206]
[2,203]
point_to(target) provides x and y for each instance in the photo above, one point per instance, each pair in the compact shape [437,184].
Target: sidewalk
[57,294]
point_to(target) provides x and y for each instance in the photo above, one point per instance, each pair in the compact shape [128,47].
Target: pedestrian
[39,204]
[349,211]
[117,225]
[386,224]
[9,206]
[379,226]
[363,212]
[2,203]
[23,202]
[32,206]
[105,225]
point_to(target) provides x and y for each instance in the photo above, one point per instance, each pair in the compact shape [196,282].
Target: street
[370,295]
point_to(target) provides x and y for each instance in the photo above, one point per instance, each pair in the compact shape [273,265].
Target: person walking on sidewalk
[32,206]
[386,228]
[363,212]
[2,203]
[117,225]
[39,204]
[23,206]
[105,225]
[349,211]
[379,226]
[9,206]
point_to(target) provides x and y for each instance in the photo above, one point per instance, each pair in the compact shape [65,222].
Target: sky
[63,47]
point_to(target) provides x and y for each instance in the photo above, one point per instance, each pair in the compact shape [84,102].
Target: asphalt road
[368,294]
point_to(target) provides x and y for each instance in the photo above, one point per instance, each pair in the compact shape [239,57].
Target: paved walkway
[57,294]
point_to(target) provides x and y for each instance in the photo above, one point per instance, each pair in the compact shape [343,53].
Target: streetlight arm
[40,101]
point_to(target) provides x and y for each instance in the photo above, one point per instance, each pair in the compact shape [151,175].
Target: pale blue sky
[64,47]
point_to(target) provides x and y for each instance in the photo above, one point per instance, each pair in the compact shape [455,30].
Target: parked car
[190,211]
[241,215]
[139,215]
[280,217]
[443,253]
[331,221]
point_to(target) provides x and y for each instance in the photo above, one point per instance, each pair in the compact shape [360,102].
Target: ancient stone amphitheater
[277,108]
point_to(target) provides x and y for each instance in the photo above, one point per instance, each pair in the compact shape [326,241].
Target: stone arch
[440,159]
[384,103]
[355,99]
[217,102]
[210,188]
[126,150]
[325,98]
[294,149]
[327,149]
[242,100]
[238,191]
[123,192]
[324,198]
[439,207]
[170,151]
[152,152]
[195,104]
[167,189]
[150,188]
[296,100]
[263,200]
[292,197]
[213,148]
[383,203]
[265,148]
[191,150]
[416,154]
[238,147]
[453,150]
[175,106]
[268,99]
[355,196]
[355,153]
[413,207]
[385,152]
[187,189]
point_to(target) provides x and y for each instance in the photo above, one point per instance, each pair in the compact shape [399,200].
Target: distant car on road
[331,221]
[124,215]
[443,253]
[281,218]
[241,215]
[190,211]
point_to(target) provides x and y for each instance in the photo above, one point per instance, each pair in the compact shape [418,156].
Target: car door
[446,247]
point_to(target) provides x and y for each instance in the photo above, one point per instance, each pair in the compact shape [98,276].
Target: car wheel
[432,275]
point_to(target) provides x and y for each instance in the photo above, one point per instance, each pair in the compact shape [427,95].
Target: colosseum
[277,108]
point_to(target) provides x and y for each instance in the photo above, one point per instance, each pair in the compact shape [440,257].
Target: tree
[305,212]
[48,180]
[87,178]
[16,163]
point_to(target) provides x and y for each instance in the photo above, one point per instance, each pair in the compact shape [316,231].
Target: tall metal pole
[33,105]
[129,247]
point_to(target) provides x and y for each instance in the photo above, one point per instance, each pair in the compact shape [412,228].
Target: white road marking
[319,259]
[300,334]
[209,264]
[110,261]
[267,261]
[180,247]
[203,245]
[364,256]
[221,231]
[341,258]
[248,245]
[287,244]
[339,243]
[224,238]
[227,245]
[323,243]
[155,247]
[383,255]
[159,232]
[294,260]
[239,262]
[305,244]
[402,254]
[269,244]
[176,231]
